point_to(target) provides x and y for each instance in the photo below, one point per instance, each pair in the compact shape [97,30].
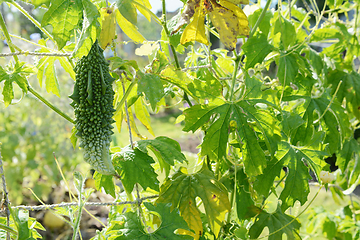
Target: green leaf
[253,87]
[243,197]
[134,166]
[288,69]
[315,60]
[17,75]
[334,122]
[47,65]
[21,220]
[256,49]
[349,89]
[132,228]
[8,93]
[278,224]
[287,30]
[129,29]
[264,24]
[128,10]
[106,182]
[297,159]
[182,189]
[216,137]
[64,16]
[168,148]
[208,87]
[347,153]
[151,85]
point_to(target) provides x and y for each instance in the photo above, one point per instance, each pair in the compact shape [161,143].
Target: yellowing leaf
[227,24]
[108,26]
[143,115]
[181,191]
[133,126]
[191,215]
[143,11]
[129,29]
[242,18]
[195,31]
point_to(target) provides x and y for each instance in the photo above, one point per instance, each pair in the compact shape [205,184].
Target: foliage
[266,132]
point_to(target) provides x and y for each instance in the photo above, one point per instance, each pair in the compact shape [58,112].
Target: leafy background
[269,118]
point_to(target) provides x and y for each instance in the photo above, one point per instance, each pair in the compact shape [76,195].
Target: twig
[195,68]
[60,205]
[35,54]
[6,202]
[127,115]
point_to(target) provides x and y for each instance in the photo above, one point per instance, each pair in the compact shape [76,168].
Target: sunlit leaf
[143,115]
[129,29]
[134,166]
[131,227]
[168,148]
[278,224]
[106,182]
[151,85]
[182,189]
[216,137]
[256,49]
[64,16]
[195,31]
[128,10]
[107,34]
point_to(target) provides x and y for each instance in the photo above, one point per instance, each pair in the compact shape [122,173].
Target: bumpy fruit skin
[93,103]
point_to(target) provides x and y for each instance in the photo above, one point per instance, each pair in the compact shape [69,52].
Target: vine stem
[163,22]
[127,115]
[262,15]
[233,80]
[81,204]
[6,202]
[7,37]
[33,20]
[47,103]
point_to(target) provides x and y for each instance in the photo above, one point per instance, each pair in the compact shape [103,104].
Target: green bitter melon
[93,103]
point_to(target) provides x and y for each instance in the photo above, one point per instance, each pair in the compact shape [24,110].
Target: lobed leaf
[182,189]
[134,166]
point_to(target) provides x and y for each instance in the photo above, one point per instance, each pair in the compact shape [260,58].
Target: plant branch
[5,200]
[262,15]
[33,20]
[127,114]
[163,22]
[7,37]
[233,80]
[47,103]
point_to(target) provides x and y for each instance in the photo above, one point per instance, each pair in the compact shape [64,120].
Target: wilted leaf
[195,31]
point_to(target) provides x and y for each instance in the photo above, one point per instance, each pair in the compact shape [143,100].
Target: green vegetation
[233,121]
